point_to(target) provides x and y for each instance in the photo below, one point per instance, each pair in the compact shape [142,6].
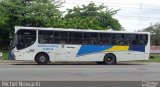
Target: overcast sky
[134,14]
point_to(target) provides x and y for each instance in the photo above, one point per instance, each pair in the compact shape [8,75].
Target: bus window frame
[17,38]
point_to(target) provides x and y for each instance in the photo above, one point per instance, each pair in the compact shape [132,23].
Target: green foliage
[155,33]
[28,12]
[5,56]
[92,17]
[45,13]
[35,13]
[155,58]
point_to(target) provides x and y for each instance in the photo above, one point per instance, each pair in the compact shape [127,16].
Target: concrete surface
[79,72]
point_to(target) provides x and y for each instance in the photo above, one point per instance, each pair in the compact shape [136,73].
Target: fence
[155,49]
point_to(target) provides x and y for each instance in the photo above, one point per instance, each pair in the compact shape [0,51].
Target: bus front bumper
[11,56]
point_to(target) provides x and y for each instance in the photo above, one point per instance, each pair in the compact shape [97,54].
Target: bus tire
[42,59]
[109,59]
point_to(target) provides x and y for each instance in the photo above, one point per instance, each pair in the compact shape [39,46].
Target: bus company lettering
[48,47]
[45,45]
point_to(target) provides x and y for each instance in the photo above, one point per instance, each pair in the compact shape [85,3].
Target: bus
[45,45]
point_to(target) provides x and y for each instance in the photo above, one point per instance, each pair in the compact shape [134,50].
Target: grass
[5,56]
[157,59]
[154,58]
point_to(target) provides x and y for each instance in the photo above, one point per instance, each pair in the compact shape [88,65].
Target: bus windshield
[25,38]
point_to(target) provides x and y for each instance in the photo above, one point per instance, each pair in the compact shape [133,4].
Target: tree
[39,12]
[35,13]
[45,13]
[92,17]
[155,33]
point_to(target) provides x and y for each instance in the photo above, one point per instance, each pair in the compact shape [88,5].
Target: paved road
[69,72]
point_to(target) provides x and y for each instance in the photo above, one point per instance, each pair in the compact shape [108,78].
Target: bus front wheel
[109,59]
[42,59]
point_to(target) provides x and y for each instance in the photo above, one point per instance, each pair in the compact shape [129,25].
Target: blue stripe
[137,48]
[88,49]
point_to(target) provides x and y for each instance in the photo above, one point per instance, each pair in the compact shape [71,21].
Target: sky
[134,14]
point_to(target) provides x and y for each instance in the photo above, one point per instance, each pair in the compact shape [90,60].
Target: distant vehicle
[44,45]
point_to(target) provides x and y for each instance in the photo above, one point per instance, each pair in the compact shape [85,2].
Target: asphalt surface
[80,72]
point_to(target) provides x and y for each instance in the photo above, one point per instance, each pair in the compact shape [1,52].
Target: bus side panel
[122,53]
[49,49]
[129,56]
[65,52]
[92,52]
[79,53]
[92,57]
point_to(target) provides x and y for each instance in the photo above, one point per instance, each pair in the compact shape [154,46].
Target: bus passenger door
[25,44]
[18,54]
[25,54]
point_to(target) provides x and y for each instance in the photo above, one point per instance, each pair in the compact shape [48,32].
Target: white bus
[44,45]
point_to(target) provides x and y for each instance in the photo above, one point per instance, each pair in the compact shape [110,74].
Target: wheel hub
[42,58]
[109,59]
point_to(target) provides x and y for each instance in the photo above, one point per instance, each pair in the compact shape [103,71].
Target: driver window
[26,38]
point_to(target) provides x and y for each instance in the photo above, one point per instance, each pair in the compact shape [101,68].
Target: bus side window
[143,39]
[90,38]
[61,37]
[133,39]
[128,40]
[105,39]
[45,37]
[75,38]
[118,39]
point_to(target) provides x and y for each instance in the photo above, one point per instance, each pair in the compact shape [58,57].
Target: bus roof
[77,30]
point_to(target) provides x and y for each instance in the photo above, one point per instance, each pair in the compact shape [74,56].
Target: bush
[5,56]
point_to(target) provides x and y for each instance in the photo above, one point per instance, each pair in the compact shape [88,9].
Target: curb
[14,62]
[33,62]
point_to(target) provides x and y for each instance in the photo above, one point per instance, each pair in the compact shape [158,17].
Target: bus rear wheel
[42,59]
[109,59]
